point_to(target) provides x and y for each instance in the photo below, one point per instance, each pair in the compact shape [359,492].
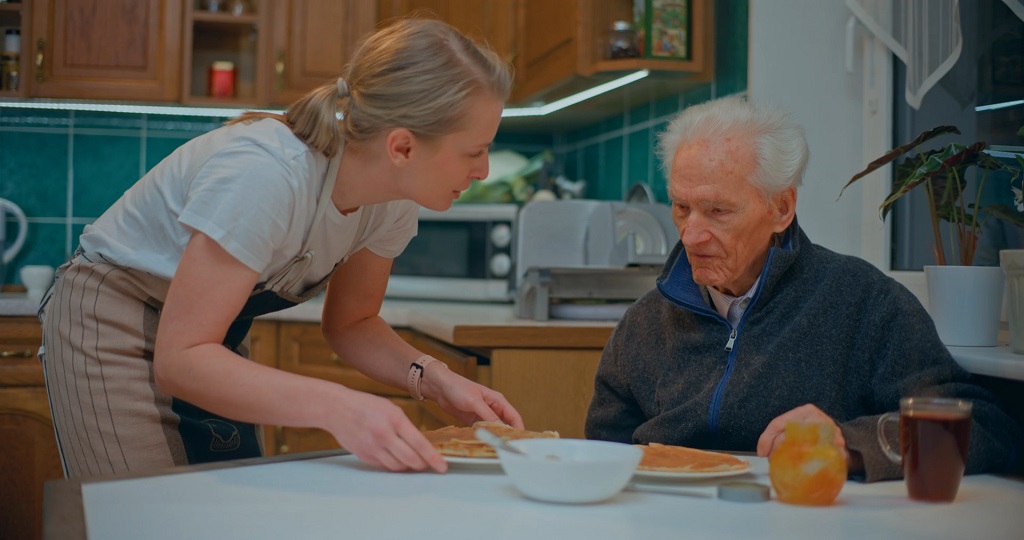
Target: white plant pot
[1012,263]
[965,302]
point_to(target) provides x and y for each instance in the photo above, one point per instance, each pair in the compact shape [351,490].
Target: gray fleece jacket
[822,328]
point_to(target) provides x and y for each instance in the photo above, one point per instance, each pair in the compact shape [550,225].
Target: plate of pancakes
[459,445]
[663,461]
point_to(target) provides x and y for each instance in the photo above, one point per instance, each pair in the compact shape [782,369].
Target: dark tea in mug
[934,447]
[935,434]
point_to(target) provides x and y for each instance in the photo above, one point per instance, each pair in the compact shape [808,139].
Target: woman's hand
[467,400]
[377,431]
[774,434]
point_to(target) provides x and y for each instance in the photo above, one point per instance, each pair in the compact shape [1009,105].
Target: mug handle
[7,255]
[893,456]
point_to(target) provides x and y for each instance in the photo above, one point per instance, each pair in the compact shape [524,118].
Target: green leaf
[891,155]
[1006,213]
[940,166]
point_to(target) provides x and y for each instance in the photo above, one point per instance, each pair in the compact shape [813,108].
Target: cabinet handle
[27,353]
[40,48]
[279,71]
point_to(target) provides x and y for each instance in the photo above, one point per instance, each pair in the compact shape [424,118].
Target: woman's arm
[207,292]
[354,329]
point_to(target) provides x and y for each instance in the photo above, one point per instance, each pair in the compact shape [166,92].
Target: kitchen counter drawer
[19,343]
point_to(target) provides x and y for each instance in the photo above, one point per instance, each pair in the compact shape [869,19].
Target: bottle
[807,468]
[622,41]
[9,59]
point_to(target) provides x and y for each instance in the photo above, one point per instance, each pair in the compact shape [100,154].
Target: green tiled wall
[65,168]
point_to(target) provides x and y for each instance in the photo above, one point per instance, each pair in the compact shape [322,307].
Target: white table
[335,496]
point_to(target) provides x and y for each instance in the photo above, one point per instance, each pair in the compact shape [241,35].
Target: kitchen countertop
[483,325]
[17,305]
[471,324]
[467,324]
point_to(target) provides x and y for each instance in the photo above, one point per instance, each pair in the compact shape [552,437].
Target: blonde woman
[144,328]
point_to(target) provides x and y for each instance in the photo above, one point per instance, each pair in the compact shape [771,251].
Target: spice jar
[622,41]
[10,60]
[807,468]
[222,79]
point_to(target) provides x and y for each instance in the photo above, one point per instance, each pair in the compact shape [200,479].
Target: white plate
[473,462]
[667,475]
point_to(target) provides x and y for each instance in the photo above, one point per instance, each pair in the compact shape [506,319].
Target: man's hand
[774,434]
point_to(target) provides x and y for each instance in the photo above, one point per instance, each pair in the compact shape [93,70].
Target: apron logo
[225,436]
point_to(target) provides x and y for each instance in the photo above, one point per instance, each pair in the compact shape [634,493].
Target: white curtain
[924,34]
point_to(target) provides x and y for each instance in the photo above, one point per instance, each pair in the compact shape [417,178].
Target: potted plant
[942,173]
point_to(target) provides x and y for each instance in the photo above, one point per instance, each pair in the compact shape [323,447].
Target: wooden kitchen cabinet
[29,456]
[492,22]
[562,48]
[15,17]
[280,50]
[551,388]
[225,31]
[104,49]
[312,42]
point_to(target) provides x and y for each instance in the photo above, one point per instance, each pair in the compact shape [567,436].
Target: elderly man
[752,325]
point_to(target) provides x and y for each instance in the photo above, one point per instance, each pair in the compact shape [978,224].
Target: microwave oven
[464,253]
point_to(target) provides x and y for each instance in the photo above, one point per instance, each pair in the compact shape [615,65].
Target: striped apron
[99,330]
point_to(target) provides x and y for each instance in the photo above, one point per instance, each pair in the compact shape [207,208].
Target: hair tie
[342,88]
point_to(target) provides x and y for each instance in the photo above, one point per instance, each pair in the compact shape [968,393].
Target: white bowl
[570,470]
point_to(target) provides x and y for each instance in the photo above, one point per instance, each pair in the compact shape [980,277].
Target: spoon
[486,436]
[632,486]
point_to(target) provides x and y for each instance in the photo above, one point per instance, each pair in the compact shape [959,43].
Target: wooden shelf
[636,64]
[8,6]
[225,18]
[220,36]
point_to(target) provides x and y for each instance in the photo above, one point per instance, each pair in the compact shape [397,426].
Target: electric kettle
[10,210]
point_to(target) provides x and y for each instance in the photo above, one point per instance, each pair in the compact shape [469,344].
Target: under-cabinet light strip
[996,106]
[224,112]
[575,98]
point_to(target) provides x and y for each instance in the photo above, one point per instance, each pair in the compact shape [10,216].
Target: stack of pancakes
[665,458]
[457,441]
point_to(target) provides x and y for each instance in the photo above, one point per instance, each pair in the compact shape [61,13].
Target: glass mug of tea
[934,437]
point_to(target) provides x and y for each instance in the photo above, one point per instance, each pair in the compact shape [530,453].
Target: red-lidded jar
[222,79]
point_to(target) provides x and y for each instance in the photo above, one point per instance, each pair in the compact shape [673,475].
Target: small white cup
[36,278]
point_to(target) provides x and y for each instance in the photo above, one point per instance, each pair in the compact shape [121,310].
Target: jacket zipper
[716,397]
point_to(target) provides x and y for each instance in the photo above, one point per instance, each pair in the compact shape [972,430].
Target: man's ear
[399,145]
[784,203]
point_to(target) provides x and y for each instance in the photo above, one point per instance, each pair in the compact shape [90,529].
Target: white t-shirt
[252,188]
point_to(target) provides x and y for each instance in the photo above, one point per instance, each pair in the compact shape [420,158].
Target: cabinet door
[549,45]
[19,343]
[551,388]
[106,49]
[492,22]
[313,41]
[29,458]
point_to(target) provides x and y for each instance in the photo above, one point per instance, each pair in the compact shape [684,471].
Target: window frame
[876,241]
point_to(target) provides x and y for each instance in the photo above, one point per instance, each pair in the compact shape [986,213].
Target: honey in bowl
[807,468]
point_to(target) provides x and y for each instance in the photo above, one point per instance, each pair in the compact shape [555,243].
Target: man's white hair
[780,148]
